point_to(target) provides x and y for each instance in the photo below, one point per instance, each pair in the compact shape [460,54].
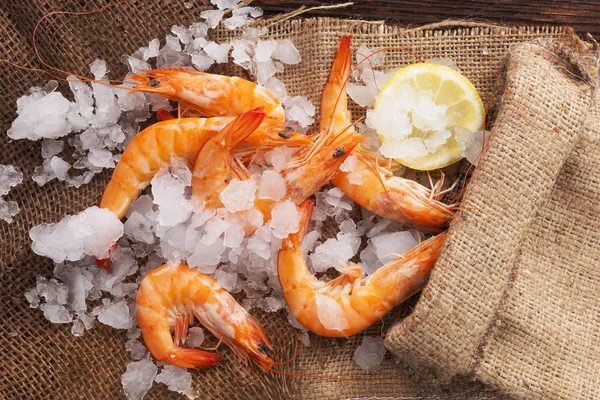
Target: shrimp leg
[355,302]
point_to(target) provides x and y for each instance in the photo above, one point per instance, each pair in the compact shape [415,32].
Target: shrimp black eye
[153,82]
[285,134]
[339,152]
[263,349]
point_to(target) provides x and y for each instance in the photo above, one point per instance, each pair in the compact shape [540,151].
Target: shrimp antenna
[296,353]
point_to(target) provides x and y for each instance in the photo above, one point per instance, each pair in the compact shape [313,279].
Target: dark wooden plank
[583,16]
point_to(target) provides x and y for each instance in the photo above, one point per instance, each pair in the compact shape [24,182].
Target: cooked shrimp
[209,94]
[399,199]
[176,139]
[168,300]
[309,169]
[354,302]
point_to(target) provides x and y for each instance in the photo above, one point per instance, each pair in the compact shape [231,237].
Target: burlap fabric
[514,298]
[43,360]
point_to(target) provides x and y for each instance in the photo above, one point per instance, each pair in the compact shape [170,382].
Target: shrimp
[168,300]
[209,94]
[355,302]
[395,198]
[181,140]
[309,169]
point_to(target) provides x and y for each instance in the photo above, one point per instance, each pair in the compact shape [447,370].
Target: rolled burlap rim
[43,360]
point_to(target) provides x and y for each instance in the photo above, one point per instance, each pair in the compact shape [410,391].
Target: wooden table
[582,15]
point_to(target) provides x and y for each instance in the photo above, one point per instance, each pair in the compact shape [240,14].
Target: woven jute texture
[42,360]
[513,300]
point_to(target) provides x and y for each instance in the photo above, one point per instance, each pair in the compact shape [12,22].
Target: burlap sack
[514,300]
[43,360]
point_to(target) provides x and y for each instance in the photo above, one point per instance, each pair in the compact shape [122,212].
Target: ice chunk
[406,149]
[388,246]
[241,52]
[276,87]
[225,4]
[264,50]
[195,337]
[286,52]
[427,116]
[299,109]
[239,195]
[362,95]
[139,227]
[184,34]
[233,236]
[102,158]
[169,194]
[206,257]
[54,167]
[279,157]
[177,379]
[218,52]
[51,147]
[272,186]
[199,29]
[228,281]
[309,241]
[152,49]
[44,117]
[202,60]
[369,57]
[136,349]
[241,16]
[264,71]
[214,227]
[78,328]
[117,316]
[138,378]
[334,251]
[285,219]
[330,313]
[9,177]
[212,17]
[349,164]
[370,353]
[56,313]
[437,139]
[471,144]
[92,232]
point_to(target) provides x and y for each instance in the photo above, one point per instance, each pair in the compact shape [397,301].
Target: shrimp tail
[241,127]
[305,209]
[192,358]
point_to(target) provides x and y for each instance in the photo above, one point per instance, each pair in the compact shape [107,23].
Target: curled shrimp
[309,169]
[176,139]
[210,95]
[395,198]
[355,301]
[171,296]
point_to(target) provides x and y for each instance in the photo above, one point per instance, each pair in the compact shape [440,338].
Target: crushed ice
[10,177]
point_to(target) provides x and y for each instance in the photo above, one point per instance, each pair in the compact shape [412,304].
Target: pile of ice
[10,177]
[102,119]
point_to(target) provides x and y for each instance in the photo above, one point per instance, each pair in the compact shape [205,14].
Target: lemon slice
[426,116]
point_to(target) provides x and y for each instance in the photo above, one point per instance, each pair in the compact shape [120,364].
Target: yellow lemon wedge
[426,116]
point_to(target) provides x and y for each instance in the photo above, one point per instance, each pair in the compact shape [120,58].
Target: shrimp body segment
[168,300]
[355,301]
[395,198]
[210,95]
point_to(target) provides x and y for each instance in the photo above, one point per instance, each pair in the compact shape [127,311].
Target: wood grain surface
[583,15]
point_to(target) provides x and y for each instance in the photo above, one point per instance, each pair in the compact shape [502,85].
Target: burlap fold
[43,360]
[513,300]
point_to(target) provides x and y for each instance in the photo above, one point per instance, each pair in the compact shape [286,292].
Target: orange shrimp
[395,198]
[355,302]
[209,94]
[168,300]
[176,139]
[310,168]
